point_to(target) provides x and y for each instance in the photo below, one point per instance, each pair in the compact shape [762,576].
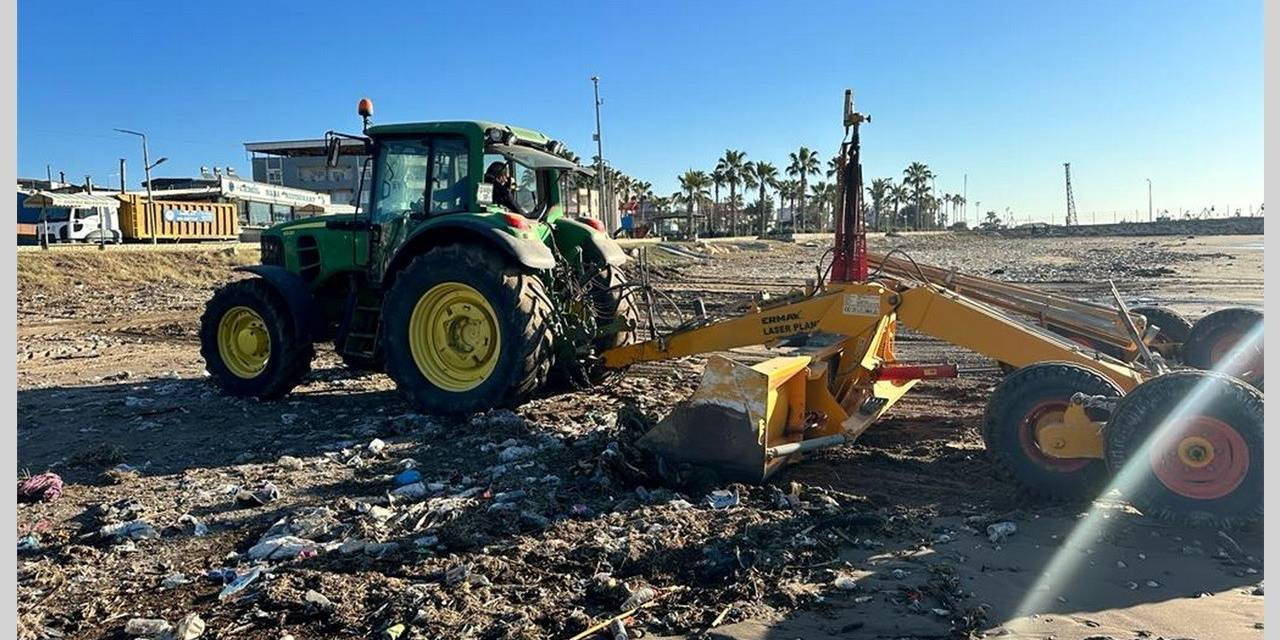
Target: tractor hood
[315,222]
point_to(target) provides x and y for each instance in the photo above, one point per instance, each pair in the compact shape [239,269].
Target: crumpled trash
[289,462]
[1001,530]
[845,583]
[639,597]
[174,580]
[44,487]
[262,495]
[220,576]
[28,543]
[515,452]
[241,581]
[377,446]
[412,491]
[407,477]
[393,632]
[187,521]
[189,628]
[147,627]
[722,499]
[318,601]
[131,530]
[282,548]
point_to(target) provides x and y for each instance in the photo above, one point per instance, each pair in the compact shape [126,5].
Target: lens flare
[1067,561]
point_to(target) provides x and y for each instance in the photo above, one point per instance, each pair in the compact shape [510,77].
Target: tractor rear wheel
[1174,330]
[1187,446]
[249,342]
[1215,344]
[1029,400]
[465,331]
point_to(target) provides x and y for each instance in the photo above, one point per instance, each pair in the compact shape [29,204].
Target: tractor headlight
[495,135]
[555,147]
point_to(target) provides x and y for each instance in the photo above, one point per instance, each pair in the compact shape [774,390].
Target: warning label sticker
[861,305]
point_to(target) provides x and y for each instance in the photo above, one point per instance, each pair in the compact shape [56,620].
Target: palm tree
[694,184]
[717,179]
[730,166]
[879,193]
[804,163]
[960,202]
[917,177]
[833,166]
[761,175]
[821,192]
[898,193]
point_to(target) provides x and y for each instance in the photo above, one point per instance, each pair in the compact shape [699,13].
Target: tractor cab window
[527,190]
[401,179]
[449,175]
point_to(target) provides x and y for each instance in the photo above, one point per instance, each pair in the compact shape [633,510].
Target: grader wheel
[1187,447]
[1174,330]
[1217,342]
[1028,401]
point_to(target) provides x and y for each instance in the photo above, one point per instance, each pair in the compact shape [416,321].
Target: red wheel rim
[1201,457]
[1246,365]
[1037,418]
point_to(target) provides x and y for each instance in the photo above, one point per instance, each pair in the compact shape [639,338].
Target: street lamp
[147,166]
[600,177]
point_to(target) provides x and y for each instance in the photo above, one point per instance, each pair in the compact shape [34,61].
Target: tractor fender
[596,246]
[307,319]
[529,252]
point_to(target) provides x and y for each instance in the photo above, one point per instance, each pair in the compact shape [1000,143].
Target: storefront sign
[271,194]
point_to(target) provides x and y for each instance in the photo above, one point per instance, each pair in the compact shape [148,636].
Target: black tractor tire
[1009,430]
[289,358]
[1174,330]
[523,316]
[1171,479]
[1212,336]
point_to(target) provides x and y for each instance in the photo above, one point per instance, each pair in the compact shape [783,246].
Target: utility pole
[152,220]
[595,83]
[1150,218]
[48,172]
[123,181]
[102,218]
[964,198]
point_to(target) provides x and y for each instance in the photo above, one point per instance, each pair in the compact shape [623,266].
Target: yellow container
[178,220]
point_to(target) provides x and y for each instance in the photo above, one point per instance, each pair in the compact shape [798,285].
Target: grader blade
[734,416]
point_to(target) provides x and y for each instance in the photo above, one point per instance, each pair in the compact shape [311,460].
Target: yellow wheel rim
[454,337]
[243,342]
[1195,451]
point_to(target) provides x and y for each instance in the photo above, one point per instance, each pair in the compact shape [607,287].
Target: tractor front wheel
[466,331]
[1187,447]
[249,342]
[1027,401]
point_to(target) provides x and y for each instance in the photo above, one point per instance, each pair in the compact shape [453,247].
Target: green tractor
[468,301]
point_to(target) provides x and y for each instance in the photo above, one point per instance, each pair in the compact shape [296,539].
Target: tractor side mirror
[332,149]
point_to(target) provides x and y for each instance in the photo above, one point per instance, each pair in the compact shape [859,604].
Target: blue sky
[1003,91]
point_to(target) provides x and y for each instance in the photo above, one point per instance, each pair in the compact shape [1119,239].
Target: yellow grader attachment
[746,422]
[1065,418]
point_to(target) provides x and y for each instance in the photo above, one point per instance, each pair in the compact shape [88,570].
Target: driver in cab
[504,194]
